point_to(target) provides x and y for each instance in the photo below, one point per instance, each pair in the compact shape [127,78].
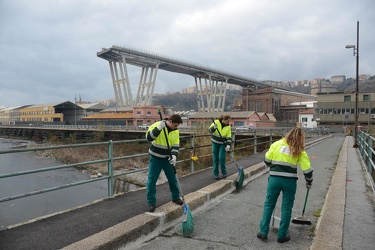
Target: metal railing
[366,144]
[254,141]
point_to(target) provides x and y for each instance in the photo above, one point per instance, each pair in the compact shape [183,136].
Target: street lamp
[356,54]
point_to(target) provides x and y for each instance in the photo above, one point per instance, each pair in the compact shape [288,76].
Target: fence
[192,147]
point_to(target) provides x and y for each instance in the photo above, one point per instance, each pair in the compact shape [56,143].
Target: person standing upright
[283,157]
[163,157]
[221,141]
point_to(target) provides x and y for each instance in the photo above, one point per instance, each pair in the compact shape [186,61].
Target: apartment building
[338,109]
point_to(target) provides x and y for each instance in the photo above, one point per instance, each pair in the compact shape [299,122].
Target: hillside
[185,102]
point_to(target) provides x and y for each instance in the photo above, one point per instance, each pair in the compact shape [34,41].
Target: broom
[187,225]
[241,174]
[303,220]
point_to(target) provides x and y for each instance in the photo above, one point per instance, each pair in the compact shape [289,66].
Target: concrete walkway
[346,221]
[224,218]
[233,221]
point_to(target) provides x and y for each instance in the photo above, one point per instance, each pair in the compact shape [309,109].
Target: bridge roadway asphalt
[228,220]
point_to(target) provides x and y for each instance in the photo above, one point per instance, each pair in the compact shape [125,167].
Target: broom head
[301,220]
[240,178]
[187,225]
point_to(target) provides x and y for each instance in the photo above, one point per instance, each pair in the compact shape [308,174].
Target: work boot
[217,178]
[282,240]
[225,176]
[151,208]
[262,237]
[178,201]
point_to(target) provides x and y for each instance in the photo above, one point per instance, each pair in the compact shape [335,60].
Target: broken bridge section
[211,84]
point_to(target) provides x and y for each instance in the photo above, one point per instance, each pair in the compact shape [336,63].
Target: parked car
[323,130]
[144,126]
[243,129]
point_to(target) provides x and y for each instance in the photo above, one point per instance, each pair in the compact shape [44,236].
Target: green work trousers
[276,184]
[218,158]
[154,168]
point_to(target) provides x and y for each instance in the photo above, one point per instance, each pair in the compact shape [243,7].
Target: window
[347,98]
[304,119]
[366,98]
[251,105]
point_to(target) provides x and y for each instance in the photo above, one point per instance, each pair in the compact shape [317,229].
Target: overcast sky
[48,47]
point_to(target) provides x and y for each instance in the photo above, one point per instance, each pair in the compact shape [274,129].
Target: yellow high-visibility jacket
[281,163]
[159,146]
[225,132]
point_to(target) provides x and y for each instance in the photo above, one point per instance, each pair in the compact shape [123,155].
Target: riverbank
[73,155]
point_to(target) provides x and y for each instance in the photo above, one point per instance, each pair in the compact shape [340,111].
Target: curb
[329,228]
[141,228]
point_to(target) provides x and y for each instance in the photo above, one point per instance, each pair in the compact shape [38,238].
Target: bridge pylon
[211,94]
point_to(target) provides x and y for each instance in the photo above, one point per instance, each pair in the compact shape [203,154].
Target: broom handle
[170,155]
[231,156]
[304,206]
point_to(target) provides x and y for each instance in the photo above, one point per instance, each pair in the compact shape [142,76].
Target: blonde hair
[296,141]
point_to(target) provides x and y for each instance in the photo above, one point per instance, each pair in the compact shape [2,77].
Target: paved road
[232,222]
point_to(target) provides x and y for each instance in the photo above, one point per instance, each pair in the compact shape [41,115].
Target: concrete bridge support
[121,84]
[211,94]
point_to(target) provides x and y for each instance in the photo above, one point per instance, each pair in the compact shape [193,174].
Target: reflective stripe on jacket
[281,163]
[159,146]
[225,132]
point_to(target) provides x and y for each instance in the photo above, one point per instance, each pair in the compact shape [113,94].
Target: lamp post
[356,54]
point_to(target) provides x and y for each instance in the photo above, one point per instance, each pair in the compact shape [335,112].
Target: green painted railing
[366,144]
[256,139]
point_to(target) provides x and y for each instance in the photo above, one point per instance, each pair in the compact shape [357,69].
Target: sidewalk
[348,215]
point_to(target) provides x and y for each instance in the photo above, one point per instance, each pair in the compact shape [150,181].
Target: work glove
[227,148]
[308,184]
[215,126]
[161,125]
[173,160]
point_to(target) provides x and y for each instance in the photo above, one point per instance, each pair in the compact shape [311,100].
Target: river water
[24,209]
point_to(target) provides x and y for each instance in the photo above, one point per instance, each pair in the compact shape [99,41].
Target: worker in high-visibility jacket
[283,157]
[163,156]
[221,141]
